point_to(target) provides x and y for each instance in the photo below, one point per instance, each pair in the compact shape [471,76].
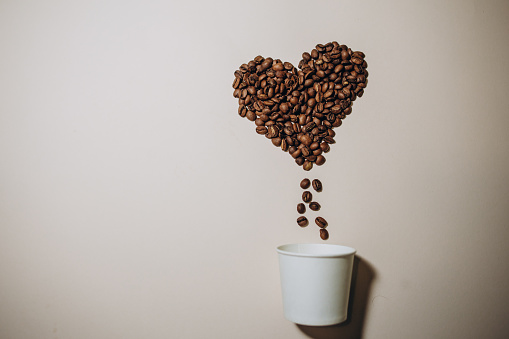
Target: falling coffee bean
[307,196]
[317,185]
[305,183]
[324,234]
[314,206]
[302,221]
[321,222]
[301,208]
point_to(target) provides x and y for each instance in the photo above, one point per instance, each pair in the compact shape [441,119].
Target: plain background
[136,203]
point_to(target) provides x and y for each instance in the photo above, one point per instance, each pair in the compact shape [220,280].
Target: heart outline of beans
[297,109]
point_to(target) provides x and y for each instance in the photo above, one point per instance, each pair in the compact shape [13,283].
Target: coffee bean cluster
[297,109]
[307,197]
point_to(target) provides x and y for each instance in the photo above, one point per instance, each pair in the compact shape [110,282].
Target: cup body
[315,282]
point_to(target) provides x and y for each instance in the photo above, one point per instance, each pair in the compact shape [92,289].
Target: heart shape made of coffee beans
[298,109]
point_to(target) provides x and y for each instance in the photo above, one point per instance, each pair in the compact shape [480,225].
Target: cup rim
[291,249]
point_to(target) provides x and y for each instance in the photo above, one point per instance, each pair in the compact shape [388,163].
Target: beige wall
[135,203]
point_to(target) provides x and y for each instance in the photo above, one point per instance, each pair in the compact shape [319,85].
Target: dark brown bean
[324,234]
[325,147]
[301,208]
[314,206]
[321,222]
[305,183]
[320,160]
[302,221]
[317,185]
[307,196]
[261,129]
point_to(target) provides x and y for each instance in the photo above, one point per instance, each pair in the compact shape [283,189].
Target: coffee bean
[325,147]
[317,185]
[284,145]
[297,153]
[314,146]
[302,221]
[305,183]
[307,166]
[301,208]
[300,161]
[320,160]
[324,234]
[305,151]
[276,141]
[329,140]
[311,158]
[261,129]
[307,196]
[314,206]
[321,222]
[306,140]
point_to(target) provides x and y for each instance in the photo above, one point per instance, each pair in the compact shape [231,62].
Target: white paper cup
[315,282]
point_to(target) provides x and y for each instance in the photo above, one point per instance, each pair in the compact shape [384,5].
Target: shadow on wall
[363,275]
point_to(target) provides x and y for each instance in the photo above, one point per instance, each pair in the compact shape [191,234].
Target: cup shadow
[363,275]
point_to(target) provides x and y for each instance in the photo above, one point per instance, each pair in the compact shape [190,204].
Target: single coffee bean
[301,208]
[307,166]
[305,151]
[300,161]
[321,222]
[324,234]
[311,157]
[317,185]
[320,160]
[307,196]
[261,129]
[325,147]
[317,152]
[305,183]
[306,140]
[276,141]
[314,206]
[302,221]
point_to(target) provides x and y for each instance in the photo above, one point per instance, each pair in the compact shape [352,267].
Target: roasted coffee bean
[250,115]
[305,183]
[307,196]
[284,145]
[261,129]
[311,158]
[317,185]
[305,151]
[324,234]
[276,141]
[320,160]
[325,147]
[301,208]
[314,206]
[302,221]
[306,140]
[317,152]
[321,222]
[329,140]
[307,166]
